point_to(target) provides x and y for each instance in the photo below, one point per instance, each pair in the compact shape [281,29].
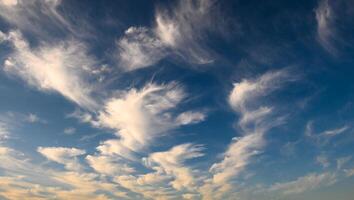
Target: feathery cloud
[172,163]
[41,18]
[177,32]
[63,68]
[109,165]
[138,48]
[305,183]
[140,116]
[62,155]
[254,122]
[325,30]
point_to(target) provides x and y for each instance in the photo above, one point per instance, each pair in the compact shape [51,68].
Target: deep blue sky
[186,99]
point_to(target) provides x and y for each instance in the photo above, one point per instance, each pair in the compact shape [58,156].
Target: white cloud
[4,150]
[63,68]
[342,161]
[305,183]
[323,161]
[82,116]
[324,137]
[32,118]
[171,163]
[237,157]
[254,122]
[62,155]
[109,165]
[22,178]
[4,131]
[69,130]
[189,196]
[139,48]
[147,191]
[140,116]
[182,29]
[325,30]
[249,90]
[155,178]
[41,18]
[178,32]
[171,176]
[335,132]
[349,172]
[9,2]
[190,117]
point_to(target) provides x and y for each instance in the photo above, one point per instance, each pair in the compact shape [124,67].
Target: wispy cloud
[323,161]
[305,183]
[325,30]
[33,118]
[254,122]
[4,131]
[139,116]
[333,23]
[22,178]
[177,32]
[171,176]
[172,163]
[64,68]
[109,165]
[62,155]
[41,18]
[322,138]
[69,130]
[139,48]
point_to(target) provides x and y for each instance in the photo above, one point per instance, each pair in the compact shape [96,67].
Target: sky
[179,99]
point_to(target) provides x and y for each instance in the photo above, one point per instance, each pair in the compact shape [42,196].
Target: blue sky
[152,99]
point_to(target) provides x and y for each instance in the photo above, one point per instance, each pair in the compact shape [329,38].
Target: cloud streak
[254,122]
[63,68]
[177,32]
[140,116]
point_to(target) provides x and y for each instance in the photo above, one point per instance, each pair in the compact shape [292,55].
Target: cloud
[335,132]
[325,29]
[22,178]
[342,161]
[63,68]
[140,116]
[237,157]
[109,165]
[349,172]
[190,117]
[183,27]
[41,18]
[249,90]
[254,122]
[179,32]
[138,48]
[322,138]
[146,191]
[305,183]
[82,116]
[172,163]
[33,118]
[62,155]
[9,2]
[69,130]
[9,122]
[4,131]
[171,176]
[323,161]
[333,23]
